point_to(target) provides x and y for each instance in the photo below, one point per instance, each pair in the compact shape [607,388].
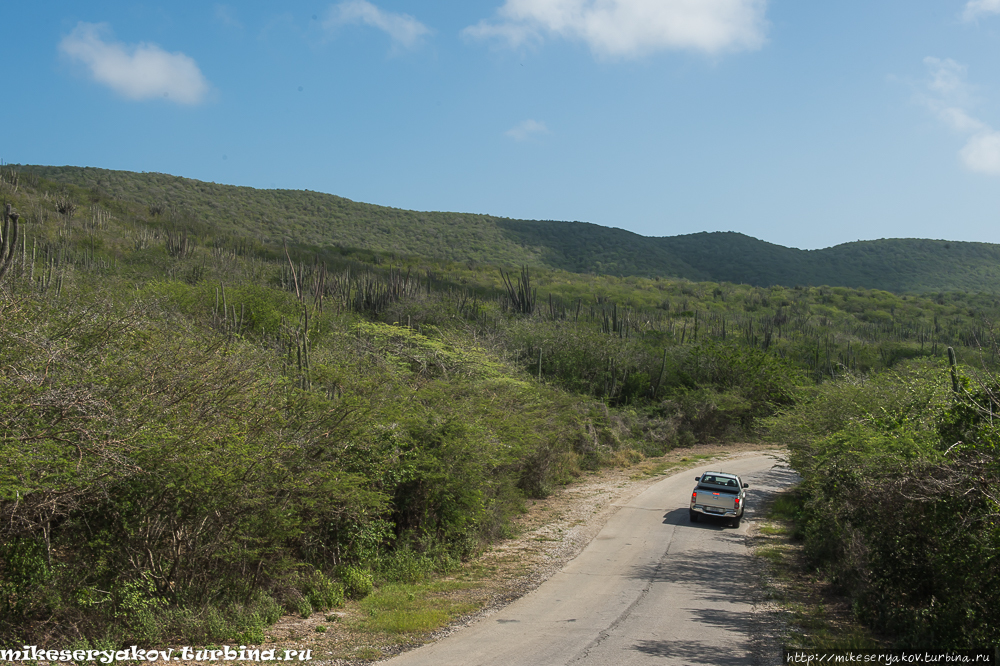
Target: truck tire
[735,522]
[694,516]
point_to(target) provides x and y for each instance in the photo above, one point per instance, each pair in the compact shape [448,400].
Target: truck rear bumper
[713,511]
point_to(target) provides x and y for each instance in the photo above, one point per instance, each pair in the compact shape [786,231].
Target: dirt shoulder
[551,532]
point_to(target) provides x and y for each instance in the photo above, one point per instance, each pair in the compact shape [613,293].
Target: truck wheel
[735,522]
[694,516]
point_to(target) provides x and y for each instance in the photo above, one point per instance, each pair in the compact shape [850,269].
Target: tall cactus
[522,298]
[953,362]
[8,242]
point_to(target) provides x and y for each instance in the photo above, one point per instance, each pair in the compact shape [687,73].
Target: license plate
[710,510]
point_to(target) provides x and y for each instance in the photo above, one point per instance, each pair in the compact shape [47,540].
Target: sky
[802,123]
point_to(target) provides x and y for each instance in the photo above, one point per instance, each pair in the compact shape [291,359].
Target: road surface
[651,588]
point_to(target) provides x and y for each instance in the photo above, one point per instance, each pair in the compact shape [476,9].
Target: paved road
[651,588]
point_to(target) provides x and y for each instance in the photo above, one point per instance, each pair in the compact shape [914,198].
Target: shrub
[322,593]
[358,582]
[908,531]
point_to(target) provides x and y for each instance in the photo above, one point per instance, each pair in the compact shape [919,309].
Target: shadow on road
[716,576]
[765,486]
[690,652]
[682,517]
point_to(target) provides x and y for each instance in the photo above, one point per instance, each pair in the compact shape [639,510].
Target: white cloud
[949,95]
[527,129]
[226,15]
[959,120]
[976,8]
[947,78]
[404,30]
[982,152]
[142,71]
[631,28]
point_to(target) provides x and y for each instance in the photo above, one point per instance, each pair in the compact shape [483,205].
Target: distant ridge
[313,218]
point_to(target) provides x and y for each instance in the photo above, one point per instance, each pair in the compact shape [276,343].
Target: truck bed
[716,499]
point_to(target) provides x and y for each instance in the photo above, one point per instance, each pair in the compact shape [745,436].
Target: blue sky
[805,124]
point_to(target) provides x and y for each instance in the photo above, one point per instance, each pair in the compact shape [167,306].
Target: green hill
[203,429]
[317,219]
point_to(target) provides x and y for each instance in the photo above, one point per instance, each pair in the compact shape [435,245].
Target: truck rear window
[724,481]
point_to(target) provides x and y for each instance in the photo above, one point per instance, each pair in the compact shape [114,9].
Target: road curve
[651,588]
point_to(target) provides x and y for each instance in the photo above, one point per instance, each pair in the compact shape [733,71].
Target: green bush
[406,565]
[707,414]
[968,425]
[24,574]
[242,623]
[322,592]
[907,530]
[358,582]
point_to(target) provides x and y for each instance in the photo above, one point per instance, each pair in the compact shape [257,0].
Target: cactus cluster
[520,298]
[178,244]
[65,207]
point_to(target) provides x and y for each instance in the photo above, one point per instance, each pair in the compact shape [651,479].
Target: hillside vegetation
[317,219]
[203,428]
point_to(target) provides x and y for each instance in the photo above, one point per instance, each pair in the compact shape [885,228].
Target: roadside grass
[817,618]
[366,653]
[399,614]
[771,529]
[773,554]
[406,608]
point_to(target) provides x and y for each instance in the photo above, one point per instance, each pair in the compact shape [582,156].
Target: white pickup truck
[719,494]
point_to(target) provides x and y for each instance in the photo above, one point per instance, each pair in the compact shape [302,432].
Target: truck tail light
[737,503]
[694,496]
